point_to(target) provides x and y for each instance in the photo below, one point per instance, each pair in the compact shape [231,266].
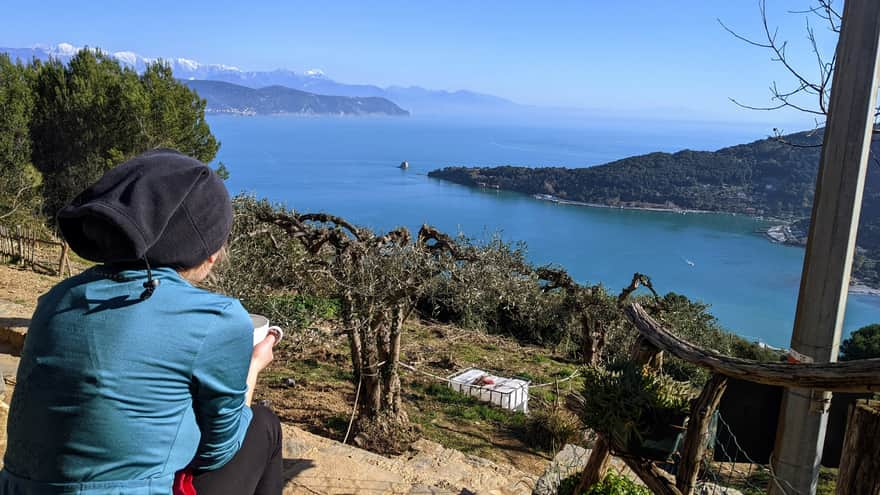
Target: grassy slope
[321,399]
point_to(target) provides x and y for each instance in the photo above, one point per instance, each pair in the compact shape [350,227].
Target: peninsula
[772,178]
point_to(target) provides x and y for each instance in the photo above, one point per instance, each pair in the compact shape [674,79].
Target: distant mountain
[416,99]
[766,177]
[224,97]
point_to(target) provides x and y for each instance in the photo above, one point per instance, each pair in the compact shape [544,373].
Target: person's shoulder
[204,298]
[208,301]
[208,313]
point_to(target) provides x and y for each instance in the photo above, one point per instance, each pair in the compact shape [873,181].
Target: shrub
[551,428]
[628,403]
[611,484]
[497,291]
[302,309]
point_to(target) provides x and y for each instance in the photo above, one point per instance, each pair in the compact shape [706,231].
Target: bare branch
[821,87]
[639,279]
[15,205]
[556,278]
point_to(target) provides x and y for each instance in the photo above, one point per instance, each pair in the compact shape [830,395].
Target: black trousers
[256,468]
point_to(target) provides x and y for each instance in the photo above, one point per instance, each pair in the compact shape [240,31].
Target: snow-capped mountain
[416,99]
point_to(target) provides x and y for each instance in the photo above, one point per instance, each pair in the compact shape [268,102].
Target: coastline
[860,289]
[248,112]
[658,208]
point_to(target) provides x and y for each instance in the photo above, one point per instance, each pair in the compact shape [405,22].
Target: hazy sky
[635,55]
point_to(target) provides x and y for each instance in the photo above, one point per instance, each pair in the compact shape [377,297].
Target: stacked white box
[507,393]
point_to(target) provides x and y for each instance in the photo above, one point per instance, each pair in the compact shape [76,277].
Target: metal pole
[828,260]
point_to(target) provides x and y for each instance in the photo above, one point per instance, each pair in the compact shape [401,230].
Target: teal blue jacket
[115,394]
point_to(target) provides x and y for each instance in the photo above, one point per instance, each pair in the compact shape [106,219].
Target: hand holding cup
[262,329]
[265,337]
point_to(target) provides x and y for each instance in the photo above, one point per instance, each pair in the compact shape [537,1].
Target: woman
[130,374]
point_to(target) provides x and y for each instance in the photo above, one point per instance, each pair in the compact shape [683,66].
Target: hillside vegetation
[767,177]
[224,97]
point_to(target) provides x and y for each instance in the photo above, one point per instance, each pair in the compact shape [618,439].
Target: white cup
[262,329]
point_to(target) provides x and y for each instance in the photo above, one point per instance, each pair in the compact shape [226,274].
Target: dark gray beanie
[162,206]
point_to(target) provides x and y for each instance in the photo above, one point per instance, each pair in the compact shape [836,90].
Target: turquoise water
[348,166]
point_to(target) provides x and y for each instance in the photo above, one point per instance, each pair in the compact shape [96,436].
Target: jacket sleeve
[219,387]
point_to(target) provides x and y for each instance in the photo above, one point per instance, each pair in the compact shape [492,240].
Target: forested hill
[224,97]
[766,177]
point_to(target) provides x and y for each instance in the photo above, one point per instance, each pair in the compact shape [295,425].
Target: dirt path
[22,286]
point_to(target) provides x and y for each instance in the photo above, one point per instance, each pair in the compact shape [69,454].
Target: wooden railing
[858,466]
[850,376]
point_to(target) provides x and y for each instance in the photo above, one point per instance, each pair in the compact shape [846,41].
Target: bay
[348,166]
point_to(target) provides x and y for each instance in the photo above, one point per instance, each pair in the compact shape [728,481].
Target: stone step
[317,465]
[14,321]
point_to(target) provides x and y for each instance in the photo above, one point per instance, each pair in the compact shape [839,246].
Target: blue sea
[349,166]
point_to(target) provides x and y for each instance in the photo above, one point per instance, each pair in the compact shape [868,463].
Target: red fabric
[183,484]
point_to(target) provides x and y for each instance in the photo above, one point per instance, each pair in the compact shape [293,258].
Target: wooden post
[67,260]
[63,257]
[860,460]
[32,239]
[694,446]
[828,260]
[20,245]
[597,465]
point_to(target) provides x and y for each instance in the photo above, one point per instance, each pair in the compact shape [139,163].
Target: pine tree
[19,180]
[93,114]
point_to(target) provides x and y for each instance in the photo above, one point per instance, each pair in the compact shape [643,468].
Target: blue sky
[635,56]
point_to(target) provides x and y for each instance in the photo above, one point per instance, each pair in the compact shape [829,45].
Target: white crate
[507,393]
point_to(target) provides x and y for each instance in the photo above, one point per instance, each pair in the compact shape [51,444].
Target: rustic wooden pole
[62,258]
[33,243]
[20,245]
[597,465]
[833,227]
[697,434]
[860,460]
[849,376]
[67,260]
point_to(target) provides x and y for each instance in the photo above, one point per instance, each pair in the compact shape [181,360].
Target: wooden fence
[859,464]
[27,248]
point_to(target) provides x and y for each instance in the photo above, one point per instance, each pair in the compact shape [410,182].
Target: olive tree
[379,279]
